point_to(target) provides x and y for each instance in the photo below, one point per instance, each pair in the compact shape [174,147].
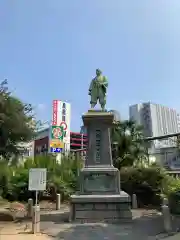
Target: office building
[116,115]
[157,120]
[78,141]
[167,157]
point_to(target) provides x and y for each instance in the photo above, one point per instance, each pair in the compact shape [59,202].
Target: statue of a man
[98,89]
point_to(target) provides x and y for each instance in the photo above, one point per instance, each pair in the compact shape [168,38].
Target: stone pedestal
[100,197]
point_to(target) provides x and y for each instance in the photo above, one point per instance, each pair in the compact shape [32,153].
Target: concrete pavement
[66,231]
[147,225]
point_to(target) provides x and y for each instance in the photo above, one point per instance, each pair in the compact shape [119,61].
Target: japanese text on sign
[37,179]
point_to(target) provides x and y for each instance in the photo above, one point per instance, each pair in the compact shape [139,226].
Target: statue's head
[98,72]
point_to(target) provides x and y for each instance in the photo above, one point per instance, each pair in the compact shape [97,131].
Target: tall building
[116,115]
[78,141]
[157,120]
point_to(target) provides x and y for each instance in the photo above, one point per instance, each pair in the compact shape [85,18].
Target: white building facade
[157,120]
[167,157]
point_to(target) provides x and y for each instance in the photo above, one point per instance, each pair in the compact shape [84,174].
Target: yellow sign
[56,144]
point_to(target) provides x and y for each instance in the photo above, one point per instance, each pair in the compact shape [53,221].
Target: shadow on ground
[150,225]
[96,232]
[55,218]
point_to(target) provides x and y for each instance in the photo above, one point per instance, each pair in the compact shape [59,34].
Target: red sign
[64,125]
[54,118]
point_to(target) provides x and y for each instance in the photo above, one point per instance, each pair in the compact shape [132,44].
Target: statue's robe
[97,90]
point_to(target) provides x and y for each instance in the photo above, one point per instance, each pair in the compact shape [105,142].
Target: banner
[60,127]
[55,112]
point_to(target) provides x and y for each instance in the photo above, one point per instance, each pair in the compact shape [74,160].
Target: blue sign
[55,150]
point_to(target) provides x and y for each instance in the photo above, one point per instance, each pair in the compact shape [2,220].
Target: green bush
[146,183]
[149,184]
[18,186]
[174,202]
[170,185]
[5,173]
[61,178]
[171,190]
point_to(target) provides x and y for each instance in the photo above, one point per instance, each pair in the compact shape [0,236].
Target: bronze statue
[98,89]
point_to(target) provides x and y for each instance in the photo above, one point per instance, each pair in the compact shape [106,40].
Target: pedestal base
[101,208]
[103,180]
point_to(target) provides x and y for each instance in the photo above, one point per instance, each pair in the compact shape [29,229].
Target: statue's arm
[90,87]
[105,82]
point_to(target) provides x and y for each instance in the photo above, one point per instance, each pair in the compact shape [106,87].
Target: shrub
[170,185]
[149,184]
[5,174]
[146,183]
[171,190]
[61,178]
[18,186]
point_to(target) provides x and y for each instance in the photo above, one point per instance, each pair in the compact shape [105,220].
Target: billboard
[60,127]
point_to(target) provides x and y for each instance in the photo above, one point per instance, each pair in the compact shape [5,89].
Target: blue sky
[49,49]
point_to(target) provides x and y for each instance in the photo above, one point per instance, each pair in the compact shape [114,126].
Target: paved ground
[79,231]
[147,225]
[9,231]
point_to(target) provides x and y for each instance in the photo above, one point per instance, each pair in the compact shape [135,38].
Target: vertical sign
[60,129]
[65,121]
[55,112]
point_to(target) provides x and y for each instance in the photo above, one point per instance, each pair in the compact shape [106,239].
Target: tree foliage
[15,122]
[128,144]
[148,183]
[61,178]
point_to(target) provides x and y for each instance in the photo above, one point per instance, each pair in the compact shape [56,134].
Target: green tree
[61,178]
[127,144]
[15,122]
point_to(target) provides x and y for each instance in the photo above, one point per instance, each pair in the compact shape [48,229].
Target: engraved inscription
[98,145]
[99,182]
